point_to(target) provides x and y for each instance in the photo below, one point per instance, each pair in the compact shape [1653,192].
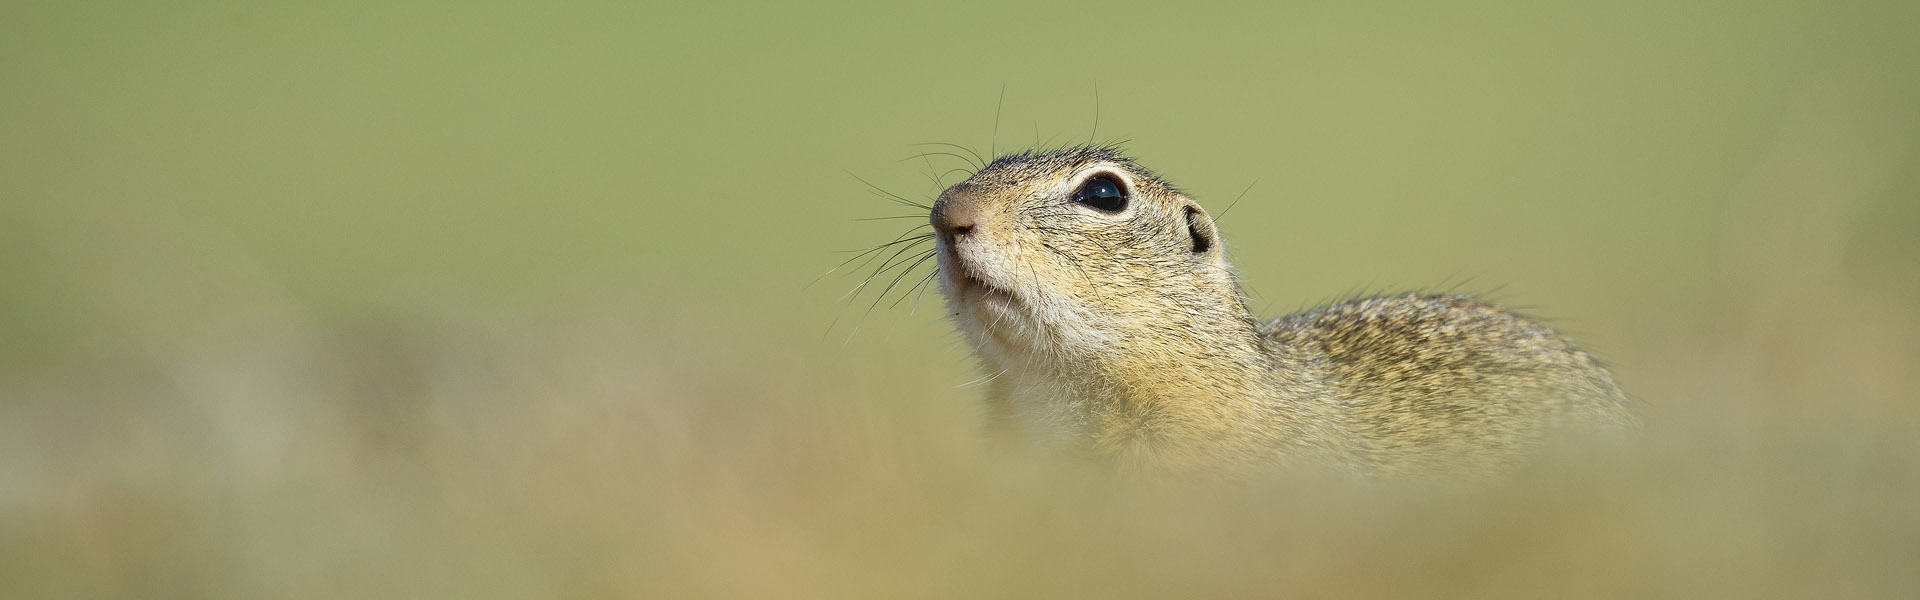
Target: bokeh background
[408,299]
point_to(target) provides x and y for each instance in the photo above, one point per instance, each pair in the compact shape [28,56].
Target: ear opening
[1200,228]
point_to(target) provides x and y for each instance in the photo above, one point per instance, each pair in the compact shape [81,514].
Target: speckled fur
[1125,336]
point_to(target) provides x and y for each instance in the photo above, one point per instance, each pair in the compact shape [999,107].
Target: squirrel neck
[1188,387]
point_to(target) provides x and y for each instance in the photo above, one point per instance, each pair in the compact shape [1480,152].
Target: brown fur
[1124,335]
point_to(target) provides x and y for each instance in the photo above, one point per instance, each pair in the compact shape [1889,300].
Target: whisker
[890,286]
[911,245]
[923,286]
[957,156]
[978,162]
[887,194]
[939,179]
[1096,112]
[931,173]
[1236,202]
[984,379]
[890,264]
[910,290]
[894,261]
[872,253]
[904,237]
[994,144]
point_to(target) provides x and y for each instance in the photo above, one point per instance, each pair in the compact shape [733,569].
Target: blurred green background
[422,299]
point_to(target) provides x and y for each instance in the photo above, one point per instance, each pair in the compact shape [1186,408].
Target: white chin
[989,298]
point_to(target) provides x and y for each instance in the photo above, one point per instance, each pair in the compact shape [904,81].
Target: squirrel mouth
[970,289]
[979,291]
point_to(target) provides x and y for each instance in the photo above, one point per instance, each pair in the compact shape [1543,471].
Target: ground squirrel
[1098,299]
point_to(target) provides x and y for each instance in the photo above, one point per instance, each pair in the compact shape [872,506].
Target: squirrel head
[1073,252]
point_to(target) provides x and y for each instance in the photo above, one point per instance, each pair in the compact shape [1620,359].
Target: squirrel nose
[954,217]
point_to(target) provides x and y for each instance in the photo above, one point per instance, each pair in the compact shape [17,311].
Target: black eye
[1101,192]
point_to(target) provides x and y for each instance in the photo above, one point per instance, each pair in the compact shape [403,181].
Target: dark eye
[1101,192]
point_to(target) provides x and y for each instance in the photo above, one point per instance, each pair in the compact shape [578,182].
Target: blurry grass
[664,451]
[612,457]
[398,300]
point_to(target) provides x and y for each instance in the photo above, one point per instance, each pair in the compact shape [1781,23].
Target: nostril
[956,214]
[950,227]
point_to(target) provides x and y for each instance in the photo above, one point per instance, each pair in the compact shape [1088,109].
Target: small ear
[1200,228]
